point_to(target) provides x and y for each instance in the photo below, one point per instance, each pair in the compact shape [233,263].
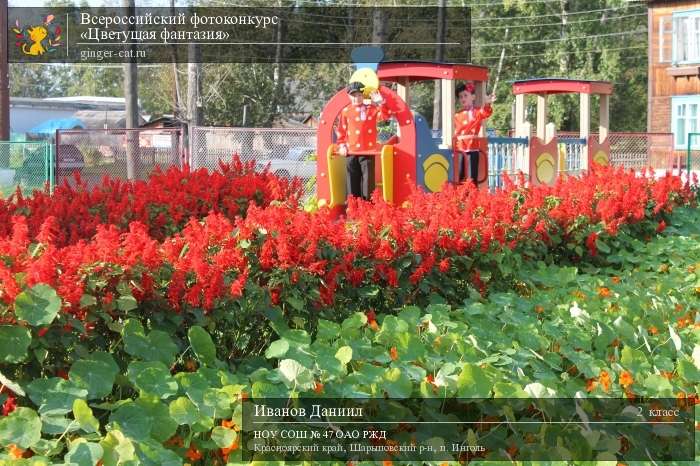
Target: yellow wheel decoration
[601,158]
[544,168]
[435,172]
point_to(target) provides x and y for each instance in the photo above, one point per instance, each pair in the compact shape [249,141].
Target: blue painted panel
[426,146]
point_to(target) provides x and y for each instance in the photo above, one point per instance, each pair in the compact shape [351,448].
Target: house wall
[661,85]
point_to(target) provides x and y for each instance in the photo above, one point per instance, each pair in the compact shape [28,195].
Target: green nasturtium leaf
[117,449]
[183,411]
[397,384]
[277,349]
[96,373]
[294,374]
[156,346]
[38,305]
[152,377]
[14,342]
[130,419]
[327,330]
[357,320]
[473,383]
[151,453]
[55,396]
[344,355]
[688,371]
[84,453]
[202,345]
[83,415]
[223,437]
[21,427]
[13,386]
[163,425]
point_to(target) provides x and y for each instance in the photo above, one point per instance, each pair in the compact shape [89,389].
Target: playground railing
[25,164]
[570,154]
[117,153]
[503,158]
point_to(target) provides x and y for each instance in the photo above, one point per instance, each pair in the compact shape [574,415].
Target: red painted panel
[559,86]
[417,71]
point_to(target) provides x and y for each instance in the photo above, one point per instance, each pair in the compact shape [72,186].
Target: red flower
[591,244]
[9,405]
[661,227]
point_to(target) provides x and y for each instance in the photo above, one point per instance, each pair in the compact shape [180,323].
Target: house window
[685,119]
[679,38]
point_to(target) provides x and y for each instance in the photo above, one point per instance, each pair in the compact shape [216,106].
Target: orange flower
[615,343]
[244,396]
[604,379]
[653,330]
[591,384]
[318,387]
[626,379]
[193,454]
[539,309]
[387,463]
[616,280]
[190,365]
[604,292]
[512,451]
[373,325]
[229,424]
[667,374]
[15,451]
[175,441]
[393,353]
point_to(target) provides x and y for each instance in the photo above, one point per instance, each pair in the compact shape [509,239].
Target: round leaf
[473,383]
[96,373]
[277,349]
[183,411]
[130,419]
[152,377]
[55,396]
[21,427]
[223,437]
[38,305]
[344,355]
[14,341]
[84,453]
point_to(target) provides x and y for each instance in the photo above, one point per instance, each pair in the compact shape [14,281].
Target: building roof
[100,119]
[49,127]
[62,104]
[561,86]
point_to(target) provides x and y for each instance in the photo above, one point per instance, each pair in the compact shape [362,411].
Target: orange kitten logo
[39,39]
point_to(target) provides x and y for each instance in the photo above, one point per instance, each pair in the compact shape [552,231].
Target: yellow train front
[413,157]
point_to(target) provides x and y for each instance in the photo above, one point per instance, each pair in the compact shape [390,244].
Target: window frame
[691,36]
[687,101]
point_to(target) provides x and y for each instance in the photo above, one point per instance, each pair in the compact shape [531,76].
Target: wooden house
[674,71]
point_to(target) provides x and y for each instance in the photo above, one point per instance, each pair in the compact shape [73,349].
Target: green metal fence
[27,164]
[693,152]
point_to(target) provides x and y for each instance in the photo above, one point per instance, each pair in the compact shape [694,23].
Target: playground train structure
[414,156]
